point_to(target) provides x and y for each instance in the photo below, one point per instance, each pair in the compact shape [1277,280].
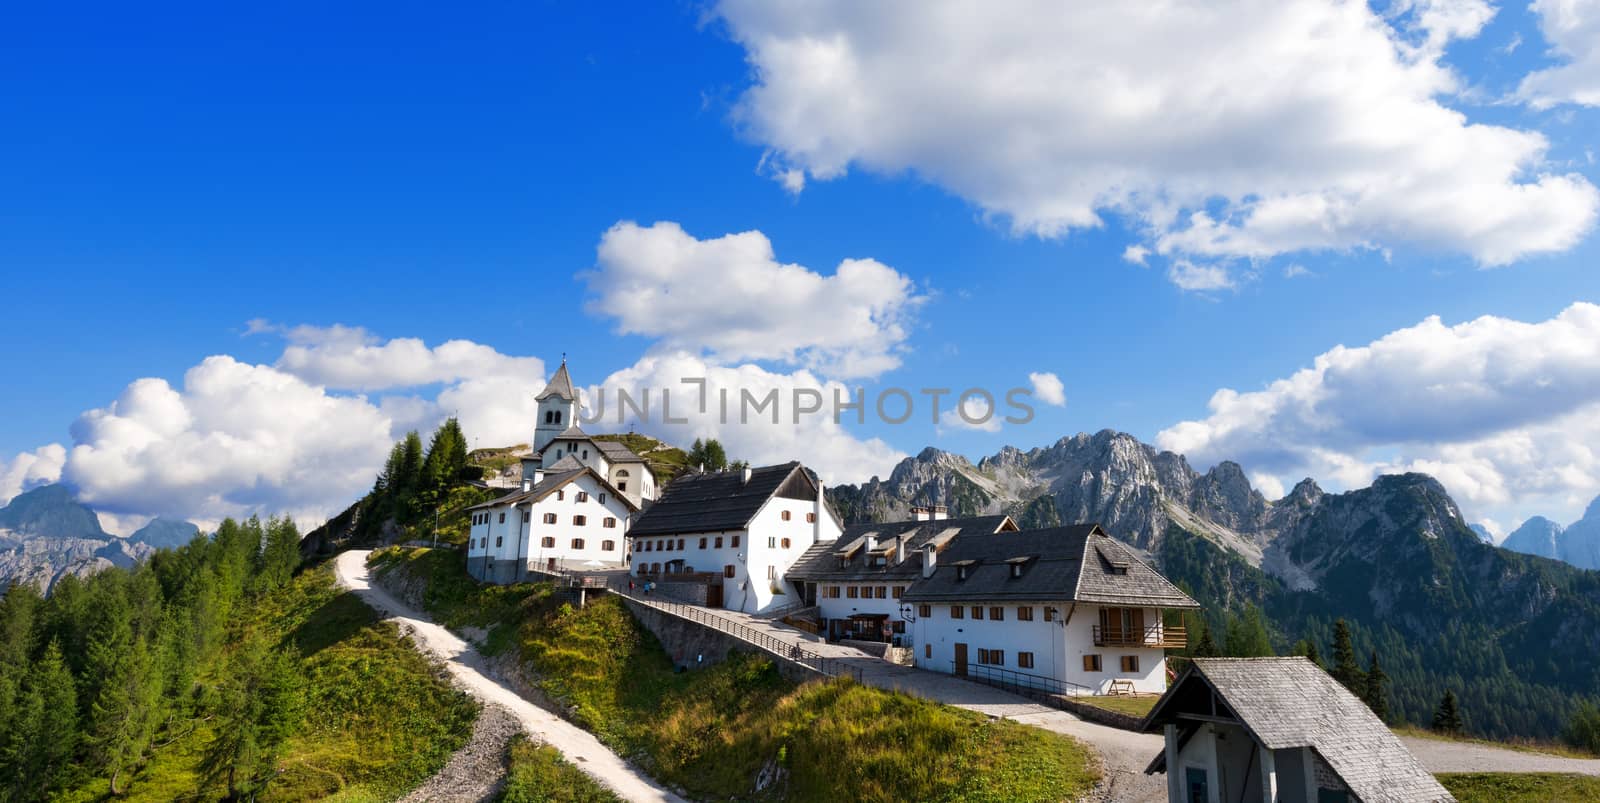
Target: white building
[1278,729]
[1066,609]
[737,532]
[556,436]
[567,518]
[857,580]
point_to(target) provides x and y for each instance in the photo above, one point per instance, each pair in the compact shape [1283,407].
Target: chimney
[939,513]
[920,513]
[930,560]
[527,484]
[745,475]
[899,550]
[871,543]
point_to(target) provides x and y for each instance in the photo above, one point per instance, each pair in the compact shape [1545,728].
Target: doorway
[714,594]
[961,660]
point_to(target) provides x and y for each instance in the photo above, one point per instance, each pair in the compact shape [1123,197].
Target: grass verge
[1521,746]
[538,774]
[1506,787]
[1132,705]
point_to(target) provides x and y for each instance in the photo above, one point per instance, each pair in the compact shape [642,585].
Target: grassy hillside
[665,461]
[382,718]
[714,732]
[1494,787]
[537,773]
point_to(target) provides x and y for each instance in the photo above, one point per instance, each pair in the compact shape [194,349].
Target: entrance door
[1199,792]
[961,660]
[714,595]
[551,564]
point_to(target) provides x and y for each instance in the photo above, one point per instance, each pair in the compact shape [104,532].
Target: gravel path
[579,746]
[477,770]
[1439,755]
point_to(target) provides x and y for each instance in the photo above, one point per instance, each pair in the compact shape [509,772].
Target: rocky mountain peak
[51,511]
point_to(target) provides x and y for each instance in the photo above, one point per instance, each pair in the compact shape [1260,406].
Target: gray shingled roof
[555,477]
[560,385]
[1291,702]
[616,452]
[1076,563]
[703,503]
[821,560]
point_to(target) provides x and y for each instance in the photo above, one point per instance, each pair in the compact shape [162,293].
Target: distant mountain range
[1577,544]
[1516,637]
[47,534]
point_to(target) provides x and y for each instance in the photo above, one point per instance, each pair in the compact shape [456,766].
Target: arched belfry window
[558,416]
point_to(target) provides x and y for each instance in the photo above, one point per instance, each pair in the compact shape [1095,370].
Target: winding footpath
[468,668]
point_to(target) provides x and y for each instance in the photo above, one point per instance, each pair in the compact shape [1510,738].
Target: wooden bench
[1121,686]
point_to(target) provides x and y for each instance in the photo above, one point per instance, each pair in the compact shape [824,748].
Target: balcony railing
[1153,637]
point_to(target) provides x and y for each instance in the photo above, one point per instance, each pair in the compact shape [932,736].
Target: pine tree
[1345,668]
[1583,729]
[697,454]
[44,731]
[1308,648]
[715,458]
[1447,717]
[1375,694]
[1206,647]
[1247,635]
[281,554]
[258,707]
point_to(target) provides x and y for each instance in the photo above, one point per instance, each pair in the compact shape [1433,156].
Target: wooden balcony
[1155,637]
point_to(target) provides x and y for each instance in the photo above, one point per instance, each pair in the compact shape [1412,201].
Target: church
[577,499]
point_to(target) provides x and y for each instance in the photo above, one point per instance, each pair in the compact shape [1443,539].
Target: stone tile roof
[822,560]
[1076,563]
[1291,702]
[724,500]
[560,385]
[616,452]
[563,472]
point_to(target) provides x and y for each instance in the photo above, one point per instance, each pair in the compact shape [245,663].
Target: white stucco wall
[512,534]
[1058,646]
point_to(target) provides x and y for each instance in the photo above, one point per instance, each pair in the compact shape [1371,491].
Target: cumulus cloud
[1219,131]
[235,438]
[746,429]
[731,299]
[31,469]
[1572,27]
[970,413]
[351,358]
[1199,278]
[1505,413]
[1047,388]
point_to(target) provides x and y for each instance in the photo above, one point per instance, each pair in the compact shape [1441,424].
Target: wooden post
[1174,772]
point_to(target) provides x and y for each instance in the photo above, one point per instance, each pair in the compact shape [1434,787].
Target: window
[1016,570]
[997,613]
[680,544]
[784,515]
[1024,614]
[811,518]
[502,517]
[883,592]
[927,650]
[586,454]
[961,572]
[499,539]
[1024,660]
[558,416]
[577,543]
[622,472]
[609,521]
[602,499]
[644,547]
[727,571]
[850,591]
[831,592]
[719,542]
[1049,614]
[527,516]
[549,518]
[992,657]
[734,542]
[1130,663]
[661,546]
[977,611]
[784,543]
[772,542]
[583,496]
[580,520]
[655,568]
[608,546]
[549,417]
[560,495]
[622,486]
[956,611]
[924,610]
[547,542]
[898,592]
[1091,663]
[772,572]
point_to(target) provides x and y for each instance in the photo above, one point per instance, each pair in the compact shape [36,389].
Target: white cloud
[1137,254]
[972,413]
[1505,413]
[731,298]
[235,439]
[351,358]
[29,469]
[747,431]
[1198,278]
[1047,388]
[1271,487]
[1572,27]
[1221,130]
[1296,270]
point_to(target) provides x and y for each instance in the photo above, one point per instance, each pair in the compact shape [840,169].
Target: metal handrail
[1154,636]
[794,653]
[1014,680]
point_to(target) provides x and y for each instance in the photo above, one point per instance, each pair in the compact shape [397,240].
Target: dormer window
[1018,565]
[964,569]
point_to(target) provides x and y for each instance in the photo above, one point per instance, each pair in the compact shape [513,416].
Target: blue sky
[170,175]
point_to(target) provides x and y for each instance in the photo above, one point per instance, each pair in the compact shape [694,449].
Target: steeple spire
[560,385]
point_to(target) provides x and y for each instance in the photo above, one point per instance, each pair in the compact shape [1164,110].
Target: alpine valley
[1515,636]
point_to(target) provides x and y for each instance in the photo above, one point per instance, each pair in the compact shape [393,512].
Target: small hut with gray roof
[1279,729]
